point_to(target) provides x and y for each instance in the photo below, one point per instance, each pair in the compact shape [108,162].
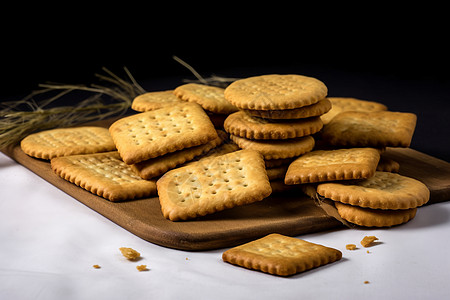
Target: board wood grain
[289,213]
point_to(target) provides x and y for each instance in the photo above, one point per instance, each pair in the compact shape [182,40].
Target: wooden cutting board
[289,213]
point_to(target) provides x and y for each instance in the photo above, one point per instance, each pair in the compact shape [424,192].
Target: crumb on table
[350,247]
[368,240]
[130,253]
[142,268]
[96,266]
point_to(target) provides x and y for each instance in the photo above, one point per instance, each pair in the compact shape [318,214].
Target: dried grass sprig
[20,118]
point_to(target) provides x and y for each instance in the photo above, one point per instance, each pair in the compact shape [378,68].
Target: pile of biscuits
[203,149]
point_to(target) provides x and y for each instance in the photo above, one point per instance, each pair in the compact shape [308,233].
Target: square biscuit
[328,165]
[154,167]
[103,174]
[67,141]
[281,255]
[154,100]
[213,184]
[154,133]
[370,129]
[341,104]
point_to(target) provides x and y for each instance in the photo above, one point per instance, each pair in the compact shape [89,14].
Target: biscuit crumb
[96,266]
[366,282]
[350,247]
[142,268]
[130,253]
[368,240]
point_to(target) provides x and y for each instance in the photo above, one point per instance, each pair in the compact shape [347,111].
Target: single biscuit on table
[154,167]
[370,129]
[154,100]
[374,217]
[277,149]
[328,165]
[213,184]
[275,92]
[384,190]
[281,255]
[341,104]
[67,141]
[243,125]
[154,133]
[211,98]
[103,174]
[313,110]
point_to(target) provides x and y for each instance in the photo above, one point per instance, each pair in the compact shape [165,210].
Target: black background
[395,56]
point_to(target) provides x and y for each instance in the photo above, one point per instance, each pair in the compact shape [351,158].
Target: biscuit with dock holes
[154,167]
[374,217]
[275,92]
[341,104]
[370,129]
[313,110]
[67,141]
[384,190]
[328,165]
[277,149]
[211,98]
[212,185]
[154,100]
[103,174]
[281,255]
[154,133]
[243,125]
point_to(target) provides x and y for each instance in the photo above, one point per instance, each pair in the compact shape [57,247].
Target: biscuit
[211,98]
[154,167]
[275,92]
[384,190]
[281,255]
[328,165]
[154,100]
[213,184]
[370,129]
[374,217]
[277,149]
[246,126]
[313,110]
[341,104]
[154,133]
[103,174]
[67,141]
[387,164]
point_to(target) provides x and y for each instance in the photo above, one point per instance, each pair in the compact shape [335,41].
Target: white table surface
[50,241]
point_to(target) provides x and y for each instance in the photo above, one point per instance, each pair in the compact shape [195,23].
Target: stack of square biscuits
[203,149]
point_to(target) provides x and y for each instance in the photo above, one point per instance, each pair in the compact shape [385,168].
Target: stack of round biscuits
[278,114]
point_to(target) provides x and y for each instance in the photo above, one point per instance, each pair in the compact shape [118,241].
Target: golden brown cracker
[154,100]
[328,165]
[387,164]
[211,98]
[341,104]
[384,190]
[154,133]
[154,167]
[277,149]
[243,125]
[213,184]
[103,174]
[370,129]
[67,141]
[313,110]
[281,255]
[275,92]
[374,217]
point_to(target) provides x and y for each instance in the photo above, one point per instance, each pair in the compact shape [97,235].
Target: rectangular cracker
[157,166]
[370,129]
[67,141]
[103,174]
[154,133]
[327,165]
[213,184]
[281,255]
